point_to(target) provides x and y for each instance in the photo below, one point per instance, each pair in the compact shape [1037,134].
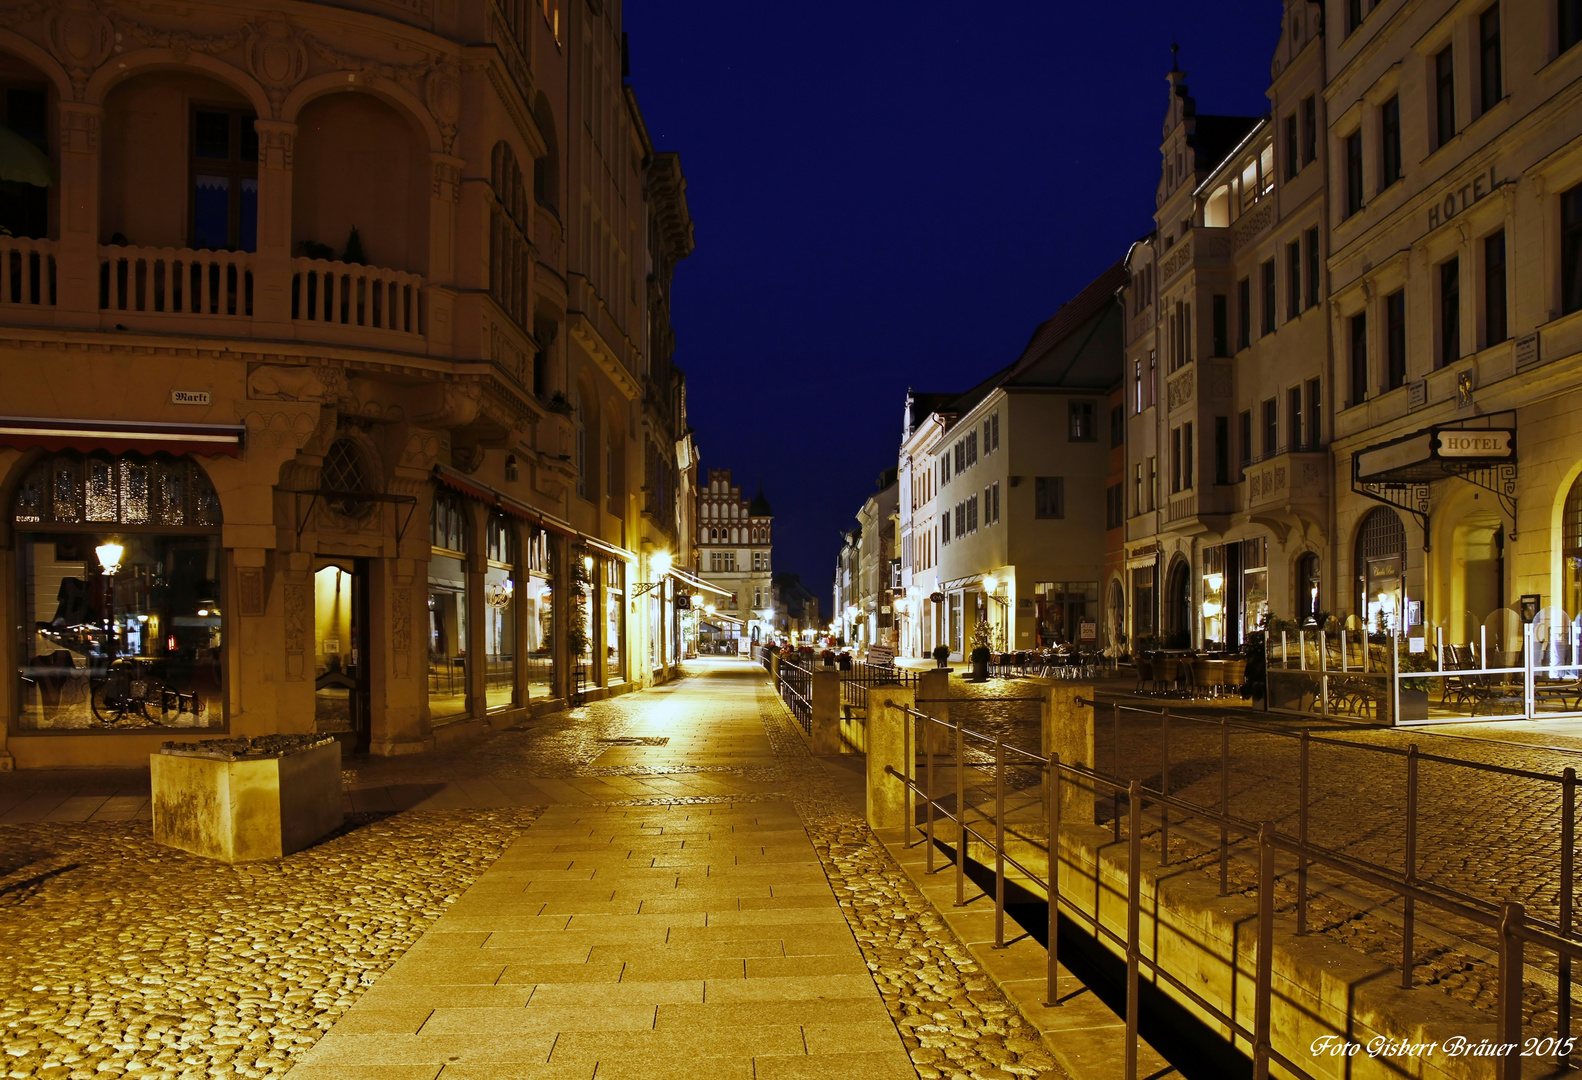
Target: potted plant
[828,656]
[1414,692]
[843,661]
[560,404]
[981,652]
[941,655]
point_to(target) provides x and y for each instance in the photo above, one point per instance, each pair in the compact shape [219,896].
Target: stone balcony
[1289,490]
[1203,510]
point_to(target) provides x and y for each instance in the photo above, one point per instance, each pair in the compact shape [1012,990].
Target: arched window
[1307,587]
[343,477]
[1381,570]
[1571,549]
[120,614]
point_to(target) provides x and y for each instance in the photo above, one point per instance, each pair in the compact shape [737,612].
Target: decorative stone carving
[277,143]
[299,613]
[1178,391]
[422,450]
[447,177]
[81,37]
[277,58]
[442,94]
[293,382]
[1254,223]
[401,629]
[79,128]
[467,458]
[278,429]
[250,591]
[456,405]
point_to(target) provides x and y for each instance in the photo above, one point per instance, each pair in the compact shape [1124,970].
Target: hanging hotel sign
[189,397]
[1491,443]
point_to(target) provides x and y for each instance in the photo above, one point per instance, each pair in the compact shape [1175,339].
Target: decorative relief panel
[1178,391]
[1254,223]
[299,613]
[250,591]
[401,629]
[1176,260]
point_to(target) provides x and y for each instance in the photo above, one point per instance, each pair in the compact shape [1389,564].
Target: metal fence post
[1508,1020]
[1164,786]
[1264,985]
[1053,997]
[928,778]
[1568,793]
[1115,791]
[999,843]
[1409,905]
[1301,835]
[1224,805]
[961,819]
[1134,874]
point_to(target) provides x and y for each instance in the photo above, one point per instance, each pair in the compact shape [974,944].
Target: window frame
[234,167]
[1496,295]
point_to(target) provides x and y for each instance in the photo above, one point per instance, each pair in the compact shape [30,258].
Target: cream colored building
[324,357]
[917,613]
[1228,383]
[735,548]
[1456,311]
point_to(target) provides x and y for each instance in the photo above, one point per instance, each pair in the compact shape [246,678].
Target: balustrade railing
[27,271]
[348,294]
[175,281]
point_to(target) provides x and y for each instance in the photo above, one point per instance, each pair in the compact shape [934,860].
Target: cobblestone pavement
[141,961]
[137,960]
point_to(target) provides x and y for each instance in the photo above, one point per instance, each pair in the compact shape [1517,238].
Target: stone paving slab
[671,974]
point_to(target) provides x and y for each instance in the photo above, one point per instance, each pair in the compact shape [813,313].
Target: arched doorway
[122,608]
[1381,570]
[1571,550]
[1178,606]
[1478,578]
[1307,588]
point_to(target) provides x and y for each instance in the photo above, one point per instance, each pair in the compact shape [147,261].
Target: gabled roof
[1045,363]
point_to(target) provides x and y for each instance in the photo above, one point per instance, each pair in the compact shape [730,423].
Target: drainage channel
[1197,1051]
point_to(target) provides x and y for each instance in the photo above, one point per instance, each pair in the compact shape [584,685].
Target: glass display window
[499,594]
[1214,597]
[119,574]
[615,620]
[447,609]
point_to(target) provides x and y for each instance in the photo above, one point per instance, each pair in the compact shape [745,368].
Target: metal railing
[1352,676]
[796,690]
[855,684]
[1508,921]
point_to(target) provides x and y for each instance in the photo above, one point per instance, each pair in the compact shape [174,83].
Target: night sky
[895,194]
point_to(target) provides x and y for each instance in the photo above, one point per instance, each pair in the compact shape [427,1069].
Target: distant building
[735,542]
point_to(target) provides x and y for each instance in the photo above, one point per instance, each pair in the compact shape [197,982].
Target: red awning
[118,436]
[458,483]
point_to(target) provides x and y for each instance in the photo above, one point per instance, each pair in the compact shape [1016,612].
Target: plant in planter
[1414,692]
[941,655]
[982,653]
[560,404]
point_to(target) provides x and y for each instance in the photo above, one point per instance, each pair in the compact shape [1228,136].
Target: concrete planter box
[240,800]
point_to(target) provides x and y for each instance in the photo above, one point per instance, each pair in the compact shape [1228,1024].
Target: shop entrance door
[340,650]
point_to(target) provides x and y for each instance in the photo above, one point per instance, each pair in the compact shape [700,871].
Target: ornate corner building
[336,360]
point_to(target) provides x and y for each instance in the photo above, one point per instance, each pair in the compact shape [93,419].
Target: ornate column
[77,254]
[444,194]
[272,261]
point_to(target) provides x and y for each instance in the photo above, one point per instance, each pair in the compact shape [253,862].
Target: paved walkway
[687,938]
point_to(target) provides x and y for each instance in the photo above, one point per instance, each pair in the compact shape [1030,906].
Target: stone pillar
[77,252]
[890,747]
[933,693]
[397,658]
[272,260]
[825,699]
[444,195]
[1068,731]
[477,564]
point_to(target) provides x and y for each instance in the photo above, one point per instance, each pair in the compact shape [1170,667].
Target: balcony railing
[347,294]
[27,272]
[176,281]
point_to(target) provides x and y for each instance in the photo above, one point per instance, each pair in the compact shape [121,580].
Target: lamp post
[110,554]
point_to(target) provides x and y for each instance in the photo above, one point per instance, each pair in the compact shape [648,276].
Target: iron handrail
[1511,922]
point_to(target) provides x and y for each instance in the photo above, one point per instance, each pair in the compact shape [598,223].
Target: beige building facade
[1456,311]
[325,356]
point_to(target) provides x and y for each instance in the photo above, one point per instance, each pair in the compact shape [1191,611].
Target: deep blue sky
[895,194]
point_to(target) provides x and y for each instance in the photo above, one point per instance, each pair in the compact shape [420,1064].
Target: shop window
[538,623]
[1571,549]
[1213,607]
[1060,609]
[499,628]
[121,616]
[615,620]
[1254,583]
[224,169]
[448,603]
